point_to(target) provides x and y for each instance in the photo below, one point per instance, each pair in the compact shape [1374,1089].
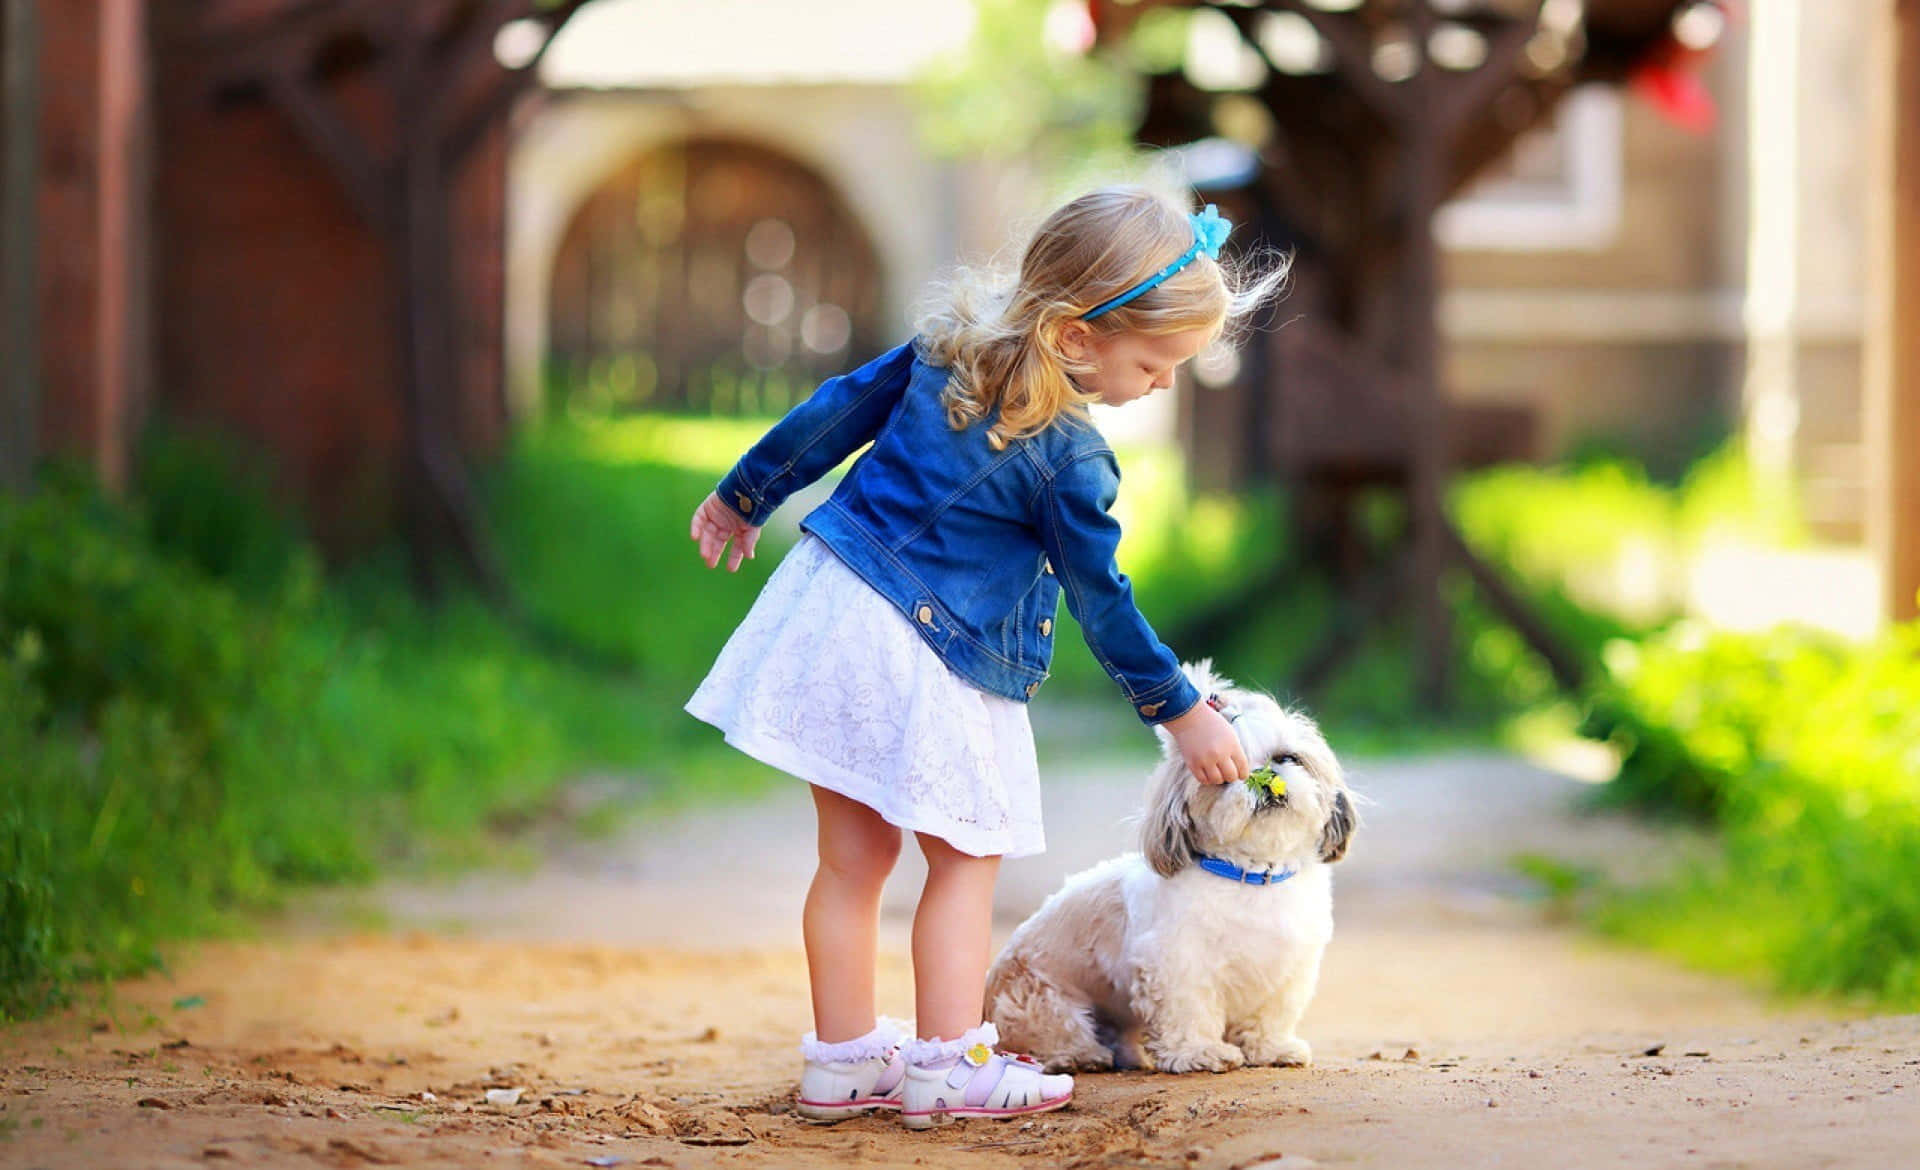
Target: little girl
[890,657]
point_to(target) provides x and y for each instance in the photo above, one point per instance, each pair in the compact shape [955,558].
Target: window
[1557,190]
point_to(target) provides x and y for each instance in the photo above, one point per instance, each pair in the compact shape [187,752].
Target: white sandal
[853,1077]
[952,1079]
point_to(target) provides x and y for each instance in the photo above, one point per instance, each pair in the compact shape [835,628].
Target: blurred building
[1634,281]
[740,187]
[196,258]
[1599,280]
[739,214]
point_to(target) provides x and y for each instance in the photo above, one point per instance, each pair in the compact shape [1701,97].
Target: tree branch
[1352,57]
[1484,83]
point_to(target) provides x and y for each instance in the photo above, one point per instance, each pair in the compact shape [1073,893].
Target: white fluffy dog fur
[1147,960]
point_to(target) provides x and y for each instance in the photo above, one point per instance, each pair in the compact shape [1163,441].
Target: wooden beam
[19,255]
[1566,668]
[498,102]
[1892,430]
[470,54]
[330,137]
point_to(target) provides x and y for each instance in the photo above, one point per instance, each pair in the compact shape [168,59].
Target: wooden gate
[710,276]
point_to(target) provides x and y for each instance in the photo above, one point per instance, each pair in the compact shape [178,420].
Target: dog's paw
[1287,1052]
[1215,1057]
[1087,1059]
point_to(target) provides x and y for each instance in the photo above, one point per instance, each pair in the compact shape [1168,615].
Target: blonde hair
[1001,338]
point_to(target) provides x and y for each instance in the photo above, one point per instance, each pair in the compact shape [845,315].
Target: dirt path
[646,994]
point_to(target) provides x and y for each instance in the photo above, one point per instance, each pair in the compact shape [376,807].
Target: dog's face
[1252,829]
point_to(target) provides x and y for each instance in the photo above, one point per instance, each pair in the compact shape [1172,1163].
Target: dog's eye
[1285,758]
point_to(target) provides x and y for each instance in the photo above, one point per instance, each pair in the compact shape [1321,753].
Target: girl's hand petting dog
[1208,745]
[714,524]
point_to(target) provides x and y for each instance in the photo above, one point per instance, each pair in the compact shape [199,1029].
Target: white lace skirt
[827,681]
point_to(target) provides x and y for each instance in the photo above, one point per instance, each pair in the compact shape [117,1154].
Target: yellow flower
[1268,778]
[979,1054]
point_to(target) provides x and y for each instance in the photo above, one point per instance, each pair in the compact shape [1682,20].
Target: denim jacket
[973,545]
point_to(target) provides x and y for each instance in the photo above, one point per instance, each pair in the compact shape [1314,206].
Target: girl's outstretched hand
[1208,745]
[714,525]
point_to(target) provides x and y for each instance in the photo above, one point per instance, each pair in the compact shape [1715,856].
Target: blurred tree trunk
[19,257]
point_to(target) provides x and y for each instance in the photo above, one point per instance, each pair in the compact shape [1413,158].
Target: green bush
[174,754]
[1604,546]
[1805,752]
[207,502]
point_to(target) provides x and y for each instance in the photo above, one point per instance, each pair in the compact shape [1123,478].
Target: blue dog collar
[1210,230]
[1232,872]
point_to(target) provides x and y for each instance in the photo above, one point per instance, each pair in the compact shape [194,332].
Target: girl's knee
[864,857]
[855,841]
[942,857]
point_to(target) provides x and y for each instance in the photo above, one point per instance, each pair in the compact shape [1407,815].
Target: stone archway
[710,274]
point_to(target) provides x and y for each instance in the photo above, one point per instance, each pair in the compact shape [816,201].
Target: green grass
[181,749]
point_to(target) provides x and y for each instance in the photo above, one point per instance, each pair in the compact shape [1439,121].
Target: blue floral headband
[1210,230]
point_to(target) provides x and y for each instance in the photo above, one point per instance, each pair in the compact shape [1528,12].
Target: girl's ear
[1076,339]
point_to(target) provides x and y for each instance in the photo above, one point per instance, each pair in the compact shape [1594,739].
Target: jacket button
[1047,565]
[1151,709]
[746,503]
[1046,627]
[1032,687]
[925,614]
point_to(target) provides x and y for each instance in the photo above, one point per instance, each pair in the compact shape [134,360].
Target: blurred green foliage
[177,751]
[1804,752]
[1800,750]
[1602,537]
[1021,90]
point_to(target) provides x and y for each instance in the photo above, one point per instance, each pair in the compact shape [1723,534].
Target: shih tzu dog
[1202,950]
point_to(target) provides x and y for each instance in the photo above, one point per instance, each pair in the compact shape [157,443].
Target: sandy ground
[645,994]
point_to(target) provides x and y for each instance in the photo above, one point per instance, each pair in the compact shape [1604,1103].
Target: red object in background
[1669,78]
[1681,97]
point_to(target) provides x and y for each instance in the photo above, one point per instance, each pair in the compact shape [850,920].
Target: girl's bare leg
[952,934]
[857,852]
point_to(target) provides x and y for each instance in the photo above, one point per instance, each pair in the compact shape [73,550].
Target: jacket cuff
[1172,698]
[750,504]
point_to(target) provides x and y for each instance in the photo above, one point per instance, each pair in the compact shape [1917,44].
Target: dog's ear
[1166,832]
[1338,829]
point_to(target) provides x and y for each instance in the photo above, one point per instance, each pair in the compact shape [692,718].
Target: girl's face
[1133,365]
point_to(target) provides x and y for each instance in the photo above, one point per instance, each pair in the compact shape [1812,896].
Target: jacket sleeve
[1081,537]
[833,422]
